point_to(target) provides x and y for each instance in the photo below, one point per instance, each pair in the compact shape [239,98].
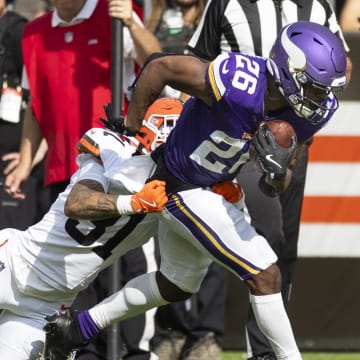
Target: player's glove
[231,191]
[116,124]
[151,198]
[273,158]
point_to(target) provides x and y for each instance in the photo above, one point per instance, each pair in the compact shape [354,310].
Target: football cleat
[265,356]
[63,336]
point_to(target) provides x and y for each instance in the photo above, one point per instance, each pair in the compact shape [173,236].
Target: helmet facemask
[159,120]
[312,102]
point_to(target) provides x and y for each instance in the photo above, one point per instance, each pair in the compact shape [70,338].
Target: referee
[250,27]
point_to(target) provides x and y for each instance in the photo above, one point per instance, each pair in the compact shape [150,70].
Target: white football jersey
[60,254]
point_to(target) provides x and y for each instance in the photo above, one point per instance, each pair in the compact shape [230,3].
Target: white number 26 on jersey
[246,75]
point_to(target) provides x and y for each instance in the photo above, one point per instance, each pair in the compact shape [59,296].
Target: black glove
[273,158]
[115,124]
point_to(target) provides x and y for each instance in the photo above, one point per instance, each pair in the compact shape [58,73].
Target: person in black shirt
[14,212]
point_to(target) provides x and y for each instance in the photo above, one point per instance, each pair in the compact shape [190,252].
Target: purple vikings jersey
[208,145]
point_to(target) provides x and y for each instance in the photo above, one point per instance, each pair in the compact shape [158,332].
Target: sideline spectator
[250,27]
[15,213]
[31,9]
[67,54]
[173,23]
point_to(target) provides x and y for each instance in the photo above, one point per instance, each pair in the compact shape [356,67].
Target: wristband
[123,204]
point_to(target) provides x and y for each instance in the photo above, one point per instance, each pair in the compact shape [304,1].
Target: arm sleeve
[90,169]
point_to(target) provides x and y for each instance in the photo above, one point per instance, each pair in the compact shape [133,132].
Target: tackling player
[43,268]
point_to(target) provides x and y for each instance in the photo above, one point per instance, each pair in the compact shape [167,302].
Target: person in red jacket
[67,55]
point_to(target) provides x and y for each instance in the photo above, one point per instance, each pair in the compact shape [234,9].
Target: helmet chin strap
[275,99]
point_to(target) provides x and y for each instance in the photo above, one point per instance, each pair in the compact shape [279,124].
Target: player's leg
[69,330]
[219,229]
[287,231]
[20,338]
[197,232]
[137,332]
[7,296]
[266,217]
[23,317]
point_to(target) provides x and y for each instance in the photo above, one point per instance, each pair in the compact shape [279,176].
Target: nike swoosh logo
[269,158]
[152,204]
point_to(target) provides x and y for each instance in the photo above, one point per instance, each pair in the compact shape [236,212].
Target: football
[282,131]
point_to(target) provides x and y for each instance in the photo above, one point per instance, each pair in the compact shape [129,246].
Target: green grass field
[229,355]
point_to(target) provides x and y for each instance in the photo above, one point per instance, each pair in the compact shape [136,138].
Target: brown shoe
[206,348]
[170,346]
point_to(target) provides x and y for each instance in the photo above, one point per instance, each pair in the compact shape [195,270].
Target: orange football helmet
[160,119]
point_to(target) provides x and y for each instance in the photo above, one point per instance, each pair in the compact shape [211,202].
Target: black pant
[205,314]
[20,214]
[278,220]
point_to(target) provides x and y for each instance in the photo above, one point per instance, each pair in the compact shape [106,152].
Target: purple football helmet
[304,55]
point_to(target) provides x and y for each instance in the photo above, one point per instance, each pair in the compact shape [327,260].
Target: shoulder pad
[95,139]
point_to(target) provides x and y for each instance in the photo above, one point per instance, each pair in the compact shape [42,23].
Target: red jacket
[68,69]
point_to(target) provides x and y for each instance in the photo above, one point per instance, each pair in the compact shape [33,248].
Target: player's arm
[182,72]
[87,200]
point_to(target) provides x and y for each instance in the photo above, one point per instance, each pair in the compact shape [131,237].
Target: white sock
[273,321]
[137,296]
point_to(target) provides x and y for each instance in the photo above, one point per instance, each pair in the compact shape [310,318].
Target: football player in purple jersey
[232,97]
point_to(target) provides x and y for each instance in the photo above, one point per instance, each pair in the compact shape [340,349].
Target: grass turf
[233,355]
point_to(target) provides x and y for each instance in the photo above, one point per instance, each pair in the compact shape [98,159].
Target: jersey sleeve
[219,76]
[236,76]
[238,81]
[107,146]
[90,169]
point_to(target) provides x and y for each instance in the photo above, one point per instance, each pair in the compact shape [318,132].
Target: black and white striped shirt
[251,26]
